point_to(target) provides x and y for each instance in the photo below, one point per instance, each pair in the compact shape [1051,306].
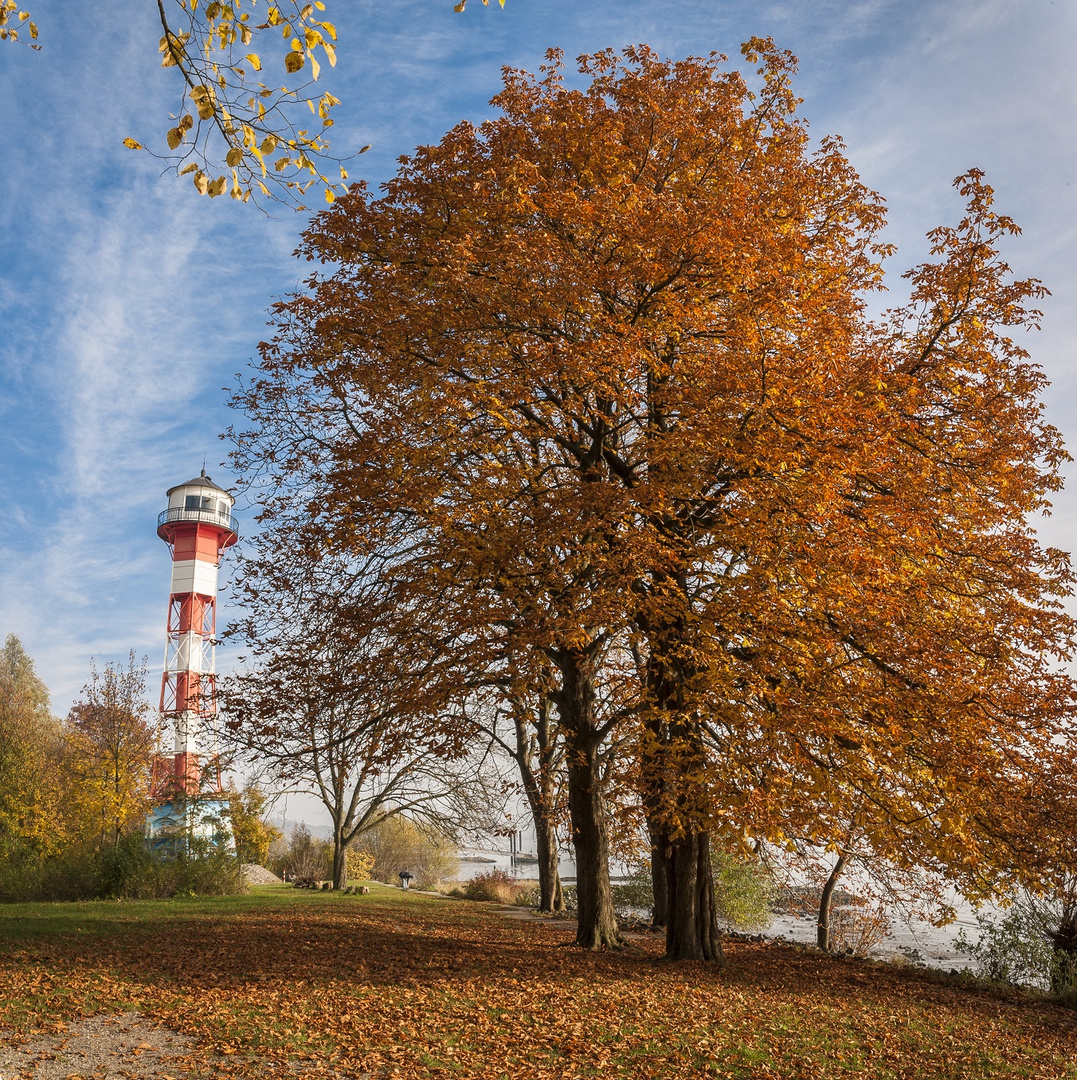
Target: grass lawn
[401,984]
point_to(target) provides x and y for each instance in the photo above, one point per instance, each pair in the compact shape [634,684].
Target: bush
[301,857]
[135,871]
[857,927]
[360,864]
[130,870]
[744,891]
[493,885]
[1012,950]
[71,874]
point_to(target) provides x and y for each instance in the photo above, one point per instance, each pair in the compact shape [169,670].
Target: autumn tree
[320,706]
[253,834]
[611,352]
[31,753]
[113,718]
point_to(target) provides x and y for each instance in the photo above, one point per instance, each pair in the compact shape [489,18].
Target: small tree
[253,835]
[113,718]
[399,843]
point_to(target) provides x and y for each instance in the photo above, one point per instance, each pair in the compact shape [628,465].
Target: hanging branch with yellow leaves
[265,149]
[12,21]
[485,3]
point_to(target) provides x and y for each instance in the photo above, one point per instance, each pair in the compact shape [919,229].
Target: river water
[930,945]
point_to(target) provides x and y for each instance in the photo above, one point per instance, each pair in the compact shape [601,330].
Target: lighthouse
[198,527]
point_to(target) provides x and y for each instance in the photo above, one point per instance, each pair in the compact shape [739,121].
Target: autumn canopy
[597,383]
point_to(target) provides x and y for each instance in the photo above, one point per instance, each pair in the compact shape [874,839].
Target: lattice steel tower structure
[199,527]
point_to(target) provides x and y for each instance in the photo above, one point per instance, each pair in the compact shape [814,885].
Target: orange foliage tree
[609,355]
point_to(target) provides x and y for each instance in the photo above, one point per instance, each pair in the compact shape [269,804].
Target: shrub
[135,871]
[360,864]
[528,894]
[493,885]
[857,927]
[1012,949]
[744,891]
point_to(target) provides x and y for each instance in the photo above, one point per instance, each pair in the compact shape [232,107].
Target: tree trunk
[823,936]
[692,925]
[674,756]
[340,861]
[540,786]
[1064,951]
[659,882]
[551,897]
[596,919]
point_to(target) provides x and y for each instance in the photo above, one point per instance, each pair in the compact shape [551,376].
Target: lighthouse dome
[199,500]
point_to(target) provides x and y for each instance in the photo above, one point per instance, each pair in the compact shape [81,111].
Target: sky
[128,304]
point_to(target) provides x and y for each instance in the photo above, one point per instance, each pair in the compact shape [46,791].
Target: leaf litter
[336,987]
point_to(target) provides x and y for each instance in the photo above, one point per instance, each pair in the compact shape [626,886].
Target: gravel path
[121,1045]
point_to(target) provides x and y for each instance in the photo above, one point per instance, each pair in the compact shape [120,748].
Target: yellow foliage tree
[117,742]
[33,756]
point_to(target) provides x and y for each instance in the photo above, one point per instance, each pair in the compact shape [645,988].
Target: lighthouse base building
[192,811]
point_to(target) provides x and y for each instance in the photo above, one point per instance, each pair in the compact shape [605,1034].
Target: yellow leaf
[460,6]
[234,156]
[204,99]
[216,187]
[364,149]
[330,197]
[331,53]
[201,182]
[269,144]
[293,62]
[188,168]
[174,137]
[255,60]
[315,67]
[330,29]
[131,144]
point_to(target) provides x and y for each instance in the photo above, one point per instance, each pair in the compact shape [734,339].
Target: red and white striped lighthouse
[198,526]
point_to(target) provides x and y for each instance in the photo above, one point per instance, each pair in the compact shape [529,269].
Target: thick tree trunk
[822,938]
[675,758]
[597,921]
[692,926]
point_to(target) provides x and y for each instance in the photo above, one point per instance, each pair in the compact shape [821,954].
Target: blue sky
[128,304]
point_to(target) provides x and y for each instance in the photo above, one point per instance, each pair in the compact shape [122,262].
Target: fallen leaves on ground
[403,986]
